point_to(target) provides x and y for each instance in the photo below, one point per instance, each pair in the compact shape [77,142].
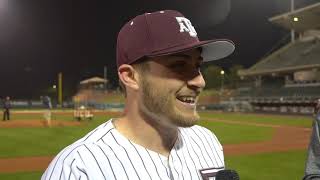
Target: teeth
[188,99]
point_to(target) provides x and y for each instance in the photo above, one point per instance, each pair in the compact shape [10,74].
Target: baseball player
[158,59]
[46,100]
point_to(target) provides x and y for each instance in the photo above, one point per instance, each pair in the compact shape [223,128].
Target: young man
[158,59]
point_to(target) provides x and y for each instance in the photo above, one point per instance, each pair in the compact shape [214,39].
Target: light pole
[222,79]
[291,10]
[54,87]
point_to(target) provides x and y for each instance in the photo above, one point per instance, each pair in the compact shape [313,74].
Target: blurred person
[46,100]
[316,110]
[312,168]
[6,108]
[158,59]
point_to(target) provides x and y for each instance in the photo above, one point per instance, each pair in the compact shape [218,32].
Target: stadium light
[222,79]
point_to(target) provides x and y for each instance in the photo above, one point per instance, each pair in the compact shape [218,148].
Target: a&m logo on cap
[186,26]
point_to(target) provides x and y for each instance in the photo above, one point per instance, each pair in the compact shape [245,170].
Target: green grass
[234,134]
[21,176]
[302,121]
[281,165]
[49,141]
[17,142]
[267,166]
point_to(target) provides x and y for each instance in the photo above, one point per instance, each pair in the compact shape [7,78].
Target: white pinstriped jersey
[106,154]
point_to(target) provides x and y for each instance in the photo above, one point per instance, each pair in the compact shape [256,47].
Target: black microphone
[227,174]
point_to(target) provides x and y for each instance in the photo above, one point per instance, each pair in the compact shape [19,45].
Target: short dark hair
[141,65]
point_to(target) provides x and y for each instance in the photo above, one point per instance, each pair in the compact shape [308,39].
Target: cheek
[168,81]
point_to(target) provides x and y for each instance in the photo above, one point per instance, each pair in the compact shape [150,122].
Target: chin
[185,119]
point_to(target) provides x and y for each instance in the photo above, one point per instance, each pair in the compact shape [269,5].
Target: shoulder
[197,130]
[80,154]
[203,134]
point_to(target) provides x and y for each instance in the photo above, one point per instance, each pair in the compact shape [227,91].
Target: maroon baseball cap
[162,33]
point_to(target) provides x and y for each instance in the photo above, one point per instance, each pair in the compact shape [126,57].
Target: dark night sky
[39,38]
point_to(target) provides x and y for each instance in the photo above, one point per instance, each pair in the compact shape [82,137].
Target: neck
[146,131]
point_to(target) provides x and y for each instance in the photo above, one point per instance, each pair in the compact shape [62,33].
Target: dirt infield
[284,138]
[24,164]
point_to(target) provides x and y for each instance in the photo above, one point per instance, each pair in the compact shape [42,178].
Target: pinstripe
[69,152]
[80,157]
[96,161]
[117,158]
[208,143]
[61,173]
[108,161]
[203,144]
[173,166]
[70,169]
[140,158]
[153,163]
[123,158]
[176,151]
[195,152]
[215,139]
[190,155]
[105,134]
[82,172]
[214,148]
[199,149]
[164,166]
[126,153]
[55,165]
[63,160]
[90,134]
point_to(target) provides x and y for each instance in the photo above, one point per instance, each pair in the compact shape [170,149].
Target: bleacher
[302,94]
[293,56]
[288,79]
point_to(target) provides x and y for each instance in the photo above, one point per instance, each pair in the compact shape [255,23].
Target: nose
[197,81]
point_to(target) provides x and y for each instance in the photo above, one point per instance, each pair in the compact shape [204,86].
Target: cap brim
[216,49]
[211,49]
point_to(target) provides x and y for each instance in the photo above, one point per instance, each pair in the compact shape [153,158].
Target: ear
[128,76]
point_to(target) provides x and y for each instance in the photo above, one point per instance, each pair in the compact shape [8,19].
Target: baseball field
[258,146]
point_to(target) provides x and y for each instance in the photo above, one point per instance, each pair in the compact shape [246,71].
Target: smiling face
[170,88]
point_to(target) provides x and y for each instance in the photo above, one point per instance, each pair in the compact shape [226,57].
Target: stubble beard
[159,105]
